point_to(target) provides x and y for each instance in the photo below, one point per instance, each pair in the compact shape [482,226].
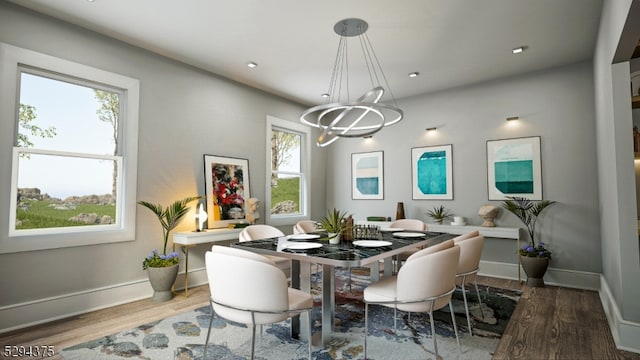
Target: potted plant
[162,269]
[438,214]
[534,256]
[334,223]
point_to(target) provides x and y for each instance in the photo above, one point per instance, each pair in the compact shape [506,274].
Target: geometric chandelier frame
[364,116]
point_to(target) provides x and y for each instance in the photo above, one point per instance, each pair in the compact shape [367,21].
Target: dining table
[304,250]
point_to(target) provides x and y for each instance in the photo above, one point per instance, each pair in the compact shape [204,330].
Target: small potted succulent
[438,214]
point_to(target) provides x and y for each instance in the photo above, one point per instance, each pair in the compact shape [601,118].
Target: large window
[287,181]
[74,156]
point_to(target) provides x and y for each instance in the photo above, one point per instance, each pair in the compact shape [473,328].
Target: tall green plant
[169,216]
[527,211]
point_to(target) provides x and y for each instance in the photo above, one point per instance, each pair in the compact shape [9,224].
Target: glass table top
[344,253]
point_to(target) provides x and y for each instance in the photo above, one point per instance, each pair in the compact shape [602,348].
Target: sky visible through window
[71,109]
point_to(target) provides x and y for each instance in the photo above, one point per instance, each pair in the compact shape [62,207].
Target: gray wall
[556,104]
[184,113]
[620,248]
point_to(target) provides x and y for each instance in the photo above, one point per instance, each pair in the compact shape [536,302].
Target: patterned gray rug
[183,336]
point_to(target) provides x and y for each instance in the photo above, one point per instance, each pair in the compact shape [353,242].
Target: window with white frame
[74,155]
[287,180]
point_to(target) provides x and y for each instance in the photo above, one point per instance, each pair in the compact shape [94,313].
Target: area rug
[183,336]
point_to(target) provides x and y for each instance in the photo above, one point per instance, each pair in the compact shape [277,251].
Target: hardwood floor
[548,323]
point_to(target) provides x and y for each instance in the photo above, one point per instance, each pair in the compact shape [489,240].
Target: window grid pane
[61,115]
[286,175]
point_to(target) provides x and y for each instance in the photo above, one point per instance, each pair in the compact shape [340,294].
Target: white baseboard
[625,333]
[560,277]
[17,316]
[22,315]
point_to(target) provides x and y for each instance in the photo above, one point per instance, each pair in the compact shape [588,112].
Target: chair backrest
[470,253]
[255,232]
[244,281]
[242,253]
[409,224]
[465,236]
[428,276]
[432,249]
[305,226]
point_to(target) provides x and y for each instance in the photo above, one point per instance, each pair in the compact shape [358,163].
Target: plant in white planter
[334,223]
[162,269]
[534,256]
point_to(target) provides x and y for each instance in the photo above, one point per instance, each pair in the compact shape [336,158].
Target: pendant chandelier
[341,117]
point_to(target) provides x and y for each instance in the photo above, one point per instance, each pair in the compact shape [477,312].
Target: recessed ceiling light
[325,95]
[414,74]
[251,64]
[519,49]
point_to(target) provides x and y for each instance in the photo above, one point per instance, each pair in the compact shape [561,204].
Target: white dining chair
[305,227]
[424,284]
[468,267]
[259,231]
[409,225]
[249,288]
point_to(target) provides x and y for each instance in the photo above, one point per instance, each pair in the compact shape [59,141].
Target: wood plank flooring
[548,323]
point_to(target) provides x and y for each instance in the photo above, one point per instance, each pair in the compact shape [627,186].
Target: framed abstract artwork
[514,169]
[227,188]
[367,176]
[432,172]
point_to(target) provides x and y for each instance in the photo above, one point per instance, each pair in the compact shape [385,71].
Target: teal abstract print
[432,174]
[367,175]
[514,168]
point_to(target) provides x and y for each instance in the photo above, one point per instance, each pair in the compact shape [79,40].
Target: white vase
[334,238]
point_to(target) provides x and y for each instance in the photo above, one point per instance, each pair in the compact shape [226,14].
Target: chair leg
[455,327]
[466,308]
[366,328]
[253,340]
[206,342]
[308,340]
[395,319]
[433,331]
[479,298]
[253,334]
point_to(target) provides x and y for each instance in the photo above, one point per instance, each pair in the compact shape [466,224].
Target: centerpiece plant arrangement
[438,214]
[155,263]
[535,252]
[334,223]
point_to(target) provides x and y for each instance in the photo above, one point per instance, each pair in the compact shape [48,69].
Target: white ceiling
[450,42]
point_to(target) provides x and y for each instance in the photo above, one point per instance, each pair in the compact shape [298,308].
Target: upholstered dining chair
[259,231]
[424,284]
[409,225]
[468,267]
[305,226]
[248,288]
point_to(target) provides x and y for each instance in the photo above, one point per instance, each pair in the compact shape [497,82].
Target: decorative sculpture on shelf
[488,213]
[252,210]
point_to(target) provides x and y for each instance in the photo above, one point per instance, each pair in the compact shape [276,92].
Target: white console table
[193,238]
